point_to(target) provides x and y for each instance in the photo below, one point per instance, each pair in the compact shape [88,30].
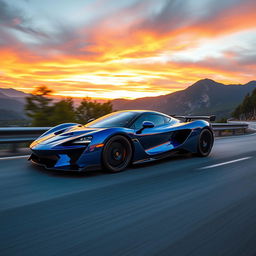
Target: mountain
[203,97]
[12,105]
[14,94]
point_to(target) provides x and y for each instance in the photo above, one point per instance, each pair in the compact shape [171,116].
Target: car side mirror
[145,124]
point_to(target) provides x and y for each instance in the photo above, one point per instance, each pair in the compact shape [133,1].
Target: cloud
[154,46]
[8,15]
[179,16]
[15,25]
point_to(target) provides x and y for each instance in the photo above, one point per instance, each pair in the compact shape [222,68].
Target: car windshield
[116,119]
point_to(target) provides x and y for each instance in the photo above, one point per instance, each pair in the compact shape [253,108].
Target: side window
[154,118]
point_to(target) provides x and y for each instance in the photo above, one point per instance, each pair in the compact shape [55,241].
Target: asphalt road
[180,206]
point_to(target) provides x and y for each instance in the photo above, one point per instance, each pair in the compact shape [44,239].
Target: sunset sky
[130,48]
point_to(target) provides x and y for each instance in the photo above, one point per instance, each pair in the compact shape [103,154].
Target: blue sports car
[114,141]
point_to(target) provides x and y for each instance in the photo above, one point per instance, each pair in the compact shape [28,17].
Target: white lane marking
[13,157]
[224,163]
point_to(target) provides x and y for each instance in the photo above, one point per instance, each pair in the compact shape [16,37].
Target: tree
[91,110]
[38,106]
[237,112]
[247,109]
[254,103]
[62,112]
[43,112]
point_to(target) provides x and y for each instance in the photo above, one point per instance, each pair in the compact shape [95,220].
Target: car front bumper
[67,160]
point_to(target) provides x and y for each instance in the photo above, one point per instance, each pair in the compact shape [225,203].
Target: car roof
[142,111]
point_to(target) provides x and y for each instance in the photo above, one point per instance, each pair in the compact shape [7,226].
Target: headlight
[83,140]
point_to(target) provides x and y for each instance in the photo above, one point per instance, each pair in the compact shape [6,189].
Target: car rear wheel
[205,143]
[117,153]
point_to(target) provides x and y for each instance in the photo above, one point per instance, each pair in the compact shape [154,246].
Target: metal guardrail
[251,124]
[218,128]
[16,135]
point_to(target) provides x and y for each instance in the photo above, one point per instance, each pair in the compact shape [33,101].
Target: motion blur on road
[179,206]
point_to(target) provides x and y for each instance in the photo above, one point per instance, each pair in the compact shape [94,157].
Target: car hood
[59,136]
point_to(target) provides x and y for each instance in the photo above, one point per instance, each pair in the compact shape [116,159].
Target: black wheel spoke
[117,153]
[205,142]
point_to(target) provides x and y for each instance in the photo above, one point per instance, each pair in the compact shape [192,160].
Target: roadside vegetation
[43,111]
[247,109]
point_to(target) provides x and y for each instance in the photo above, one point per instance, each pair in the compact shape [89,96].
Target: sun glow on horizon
[109,95]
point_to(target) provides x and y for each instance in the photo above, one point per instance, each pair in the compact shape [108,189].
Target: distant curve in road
[178,206]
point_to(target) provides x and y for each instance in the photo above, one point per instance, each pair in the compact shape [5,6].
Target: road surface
[180,206]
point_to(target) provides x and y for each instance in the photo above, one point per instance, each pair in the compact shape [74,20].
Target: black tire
[205,143]
[117,154]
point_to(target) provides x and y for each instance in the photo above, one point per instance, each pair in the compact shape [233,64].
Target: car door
[152,137]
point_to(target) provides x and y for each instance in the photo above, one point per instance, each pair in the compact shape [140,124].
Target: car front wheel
[117,153]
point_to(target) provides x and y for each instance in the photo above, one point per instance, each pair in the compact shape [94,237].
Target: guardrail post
[234,132]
